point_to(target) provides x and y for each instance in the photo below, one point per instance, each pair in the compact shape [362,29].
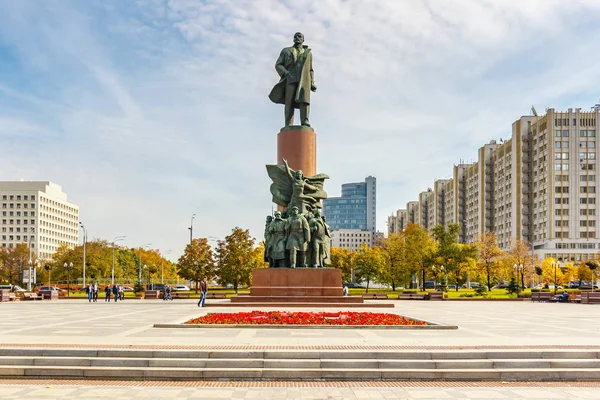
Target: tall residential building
[540,186]
[355,209]
[39,214]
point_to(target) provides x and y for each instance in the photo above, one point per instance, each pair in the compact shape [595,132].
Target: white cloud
[159,109]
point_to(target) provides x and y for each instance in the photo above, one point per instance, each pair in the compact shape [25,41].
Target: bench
[436,296]
[590,297]
[411,296]
[177,295]
[215,295]
[152,294]
[541,296]
[31,296]
[13,297]
[375,296]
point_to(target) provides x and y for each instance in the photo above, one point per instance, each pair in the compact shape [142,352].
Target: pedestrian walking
[203,290]
[107,292]
[95,292]
[90,292]
[115,291]
[121,293]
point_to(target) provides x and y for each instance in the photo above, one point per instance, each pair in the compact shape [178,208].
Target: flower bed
[304,318]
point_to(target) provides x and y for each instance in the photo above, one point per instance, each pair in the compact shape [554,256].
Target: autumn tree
[343,259]
[519,254]
[552,271]
[14,260]
[369,262]
[197,261]
[237,257]
[419,250]
[457,258]
[488,255]
[393,249]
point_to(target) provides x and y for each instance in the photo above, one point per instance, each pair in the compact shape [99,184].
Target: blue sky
[147,112]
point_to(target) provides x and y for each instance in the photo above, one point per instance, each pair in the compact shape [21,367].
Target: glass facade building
[355,209]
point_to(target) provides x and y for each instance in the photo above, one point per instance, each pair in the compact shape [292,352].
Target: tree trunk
[423,279]
[368,281]
[488,280]
[197,282]
[393,286]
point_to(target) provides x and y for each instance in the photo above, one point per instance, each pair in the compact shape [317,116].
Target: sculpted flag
[282,187]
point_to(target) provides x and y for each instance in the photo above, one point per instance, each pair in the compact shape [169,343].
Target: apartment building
[540,186]
[37,213]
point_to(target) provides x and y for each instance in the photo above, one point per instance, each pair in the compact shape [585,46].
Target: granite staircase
[424,365]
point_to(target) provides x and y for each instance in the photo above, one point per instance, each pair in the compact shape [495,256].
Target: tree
[394,248]
[197,261]
[520,255]
[237,258]
[583,273]
[14,260]
[456,257]
[369,262]
[550,271]
[343,259]
[489,252]
[419,250]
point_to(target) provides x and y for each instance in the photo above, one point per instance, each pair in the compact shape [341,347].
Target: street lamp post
[517,268]
[68,267]
[140,269]
[554,265]
[162,267]
[116,239]
[48,268]
[84,240]
[191,228]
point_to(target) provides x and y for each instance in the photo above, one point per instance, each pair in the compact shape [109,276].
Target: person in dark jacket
[115,291]
[107,292]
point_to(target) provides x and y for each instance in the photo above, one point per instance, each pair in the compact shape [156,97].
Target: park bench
[152,294]
[541,296]
[48,294]
[375,296]
[411,296]
[216,296]
[4,295]
[31,296]
[13,297]
[436,296]
[177,295]
[590,297]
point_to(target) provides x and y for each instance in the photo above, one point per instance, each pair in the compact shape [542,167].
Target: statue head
[294,211]
[269,219]
[299,174]
[277,215]
[298,38]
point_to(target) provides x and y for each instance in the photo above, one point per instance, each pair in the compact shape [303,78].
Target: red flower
[304,318]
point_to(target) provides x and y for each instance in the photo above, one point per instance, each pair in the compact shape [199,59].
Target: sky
[147,112]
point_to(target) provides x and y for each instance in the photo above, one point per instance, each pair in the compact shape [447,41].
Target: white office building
[39,214]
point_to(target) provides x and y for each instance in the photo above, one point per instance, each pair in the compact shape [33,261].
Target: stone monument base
[308,286]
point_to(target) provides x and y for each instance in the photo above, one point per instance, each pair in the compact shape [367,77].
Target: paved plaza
[131,322]
[78,323]
[17,392]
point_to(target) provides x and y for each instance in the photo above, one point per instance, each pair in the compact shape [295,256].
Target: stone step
[297,299]
[524,354]
[149,373]
[434,364]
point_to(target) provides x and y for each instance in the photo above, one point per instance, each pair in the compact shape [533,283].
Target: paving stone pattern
[130,323]
[17,392]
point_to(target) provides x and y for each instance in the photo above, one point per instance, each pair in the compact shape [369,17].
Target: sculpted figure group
[297,240]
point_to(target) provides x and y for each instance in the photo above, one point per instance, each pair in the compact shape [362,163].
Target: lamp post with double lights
[68,267]
[191,228]
[116,239]
[84,240]
[437,270]
[517,268]
[144,246]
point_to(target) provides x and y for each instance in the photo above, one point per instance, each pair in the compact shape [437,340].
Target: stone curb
[256,326]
